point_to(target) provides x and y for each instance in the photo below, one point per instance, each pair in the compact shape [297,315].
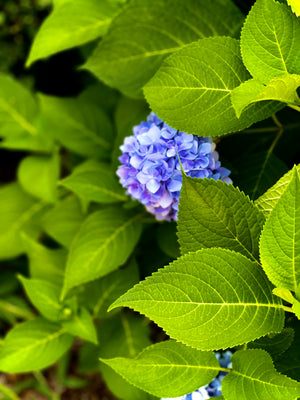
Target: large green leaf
[215,214]
[103,243]
[268,200]
[98,295]
[78,125]
[93,181]
[200,292]
[254,376]
[19,213]
[270,41]
[280,238]
[87,20]
[63,221]
[146,31]
[44,296]
[192,89]
[38,175]
[33,345]
[167,369]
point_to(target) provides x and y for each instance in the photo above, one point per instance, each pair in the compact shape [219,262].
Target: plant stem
[9,393]
[44,385]
[297,108]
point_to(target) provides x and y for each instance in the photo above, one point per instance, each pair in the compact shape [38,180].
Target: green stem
[9,393]
[288,309]
[44,385]
[297,108]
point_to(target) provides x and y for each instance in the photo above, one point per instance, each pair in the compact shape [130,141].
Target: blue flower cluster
[151,169]
[214,388]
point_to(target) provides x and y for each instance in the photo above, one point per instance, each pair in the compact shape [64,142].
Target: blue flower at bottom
[151,170]
[214,388]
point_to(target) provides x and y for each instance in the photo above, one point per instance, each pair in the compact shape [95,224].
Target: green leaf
[295,6]
[18,108]
[215,214]
[9,283]
[82,325]
[289,362]
[44,296]
[274,344]
[19,213]
[14,308]
[280,238]
[103,243]
[38,175]
[78,125]
[95,181]
[45,264]
[282,88]
[18,114]
[63,221]
[270,41]
[192,89]
[147,31]
[98,295]
[254,376]
[257,172]
[200,292]
[87,20]
[284,294]
[123,335]
[167,369]
[268,200]
[33,345]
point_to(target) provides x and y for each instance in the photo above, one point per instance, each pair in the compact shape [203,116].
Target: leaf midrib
[235,372]
[37,343]
[19,118]
[111,238]
[268,305]
[25,217]
[95,188]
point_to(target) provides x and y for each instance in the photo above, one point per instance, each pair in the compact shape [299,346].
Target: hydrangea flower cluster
[214,388]
[151,170]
